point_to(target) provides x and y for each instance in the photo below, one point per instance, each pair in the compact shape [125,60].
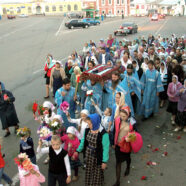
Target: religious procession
[94,104]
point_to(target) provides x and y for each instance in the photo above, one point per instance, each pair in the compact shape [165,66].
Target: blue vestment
[69,97]
[151,84]
[97,96]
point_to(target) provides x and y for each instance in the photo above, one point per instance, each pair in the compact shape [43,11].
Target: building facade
[41,7]
[114,7]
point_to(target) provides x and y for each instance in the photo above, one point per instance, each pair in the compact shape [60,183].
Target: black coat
[8,114]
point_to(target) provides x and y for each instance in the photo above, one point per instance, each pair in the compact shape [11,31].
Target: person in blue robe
[66,93]
[151,86]
[109,91]
[96,97]
[131,88]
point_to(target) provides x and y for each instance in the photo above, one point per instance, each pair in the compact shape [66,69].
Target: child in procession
[71,143]
[59,164]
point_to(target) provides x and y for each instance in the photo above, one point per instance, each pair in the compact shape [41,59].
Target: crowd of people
[95,116]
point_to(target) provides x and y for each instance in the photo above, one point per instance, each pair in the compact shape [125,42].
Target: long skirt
[181,118]
[172,107]
[94,174]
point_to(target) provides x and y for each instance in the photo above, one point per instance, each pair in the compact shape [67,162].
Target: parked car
[74,15]
[91,21]
[127,28]
[154,17]
[76,23]
[162,16]
[11,16]
[23,15]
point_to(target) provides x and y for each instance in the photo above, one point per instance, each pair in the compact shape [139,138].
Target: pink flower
[165,153]
[64,106]
[178,137]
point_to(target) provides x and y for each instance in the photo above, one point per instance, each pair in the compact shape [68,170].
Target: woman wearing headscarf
[48,67]
[8,114]
[173,99]
[164,76]
[96,146]
[121,143]
[181,114]
[57,76]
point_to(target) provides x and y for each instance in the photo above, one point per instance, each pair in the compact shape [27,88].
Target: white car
[154,17]
[23,15]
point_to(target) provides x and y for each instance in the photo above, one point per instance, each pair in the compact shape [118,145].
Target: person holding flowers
[71,143]
[8,114]
[26,143]
[121,142]
[66,94]
[59,164]
[49,112]
[29,173]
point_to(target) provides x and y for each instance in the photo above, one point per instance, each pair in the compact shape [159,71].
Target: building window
[110,2]
[118,2]
[122,2]
[102,2]
[4,11]
[142,7]
[53,8]
[69,8]
[29,10]
[60,8]
[75,7]
[110,12]
[18,10]
[103,12]
[122,11]
[46,8]
[118,11]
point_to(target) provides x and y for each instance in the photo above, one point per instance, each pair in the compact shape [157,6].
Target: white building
[138,8]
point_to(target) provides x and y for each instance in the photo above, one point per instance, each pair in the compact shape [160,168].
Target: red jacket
[117,129]
[48,70]
[2,162]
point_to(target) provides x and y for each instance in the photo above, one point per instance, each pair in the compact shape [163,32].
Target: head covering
[71,130]
[59,62]
[121,103]
[59,118]
[52,62]
[127,109]
[164,72]
[85,111]
[76,68]
[49,105]
[101,39]
[174,87]
[96,121]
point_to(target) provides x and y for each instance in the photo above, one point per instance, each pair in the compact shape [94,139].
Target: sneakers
[177,129]
[75,178]
[173,122]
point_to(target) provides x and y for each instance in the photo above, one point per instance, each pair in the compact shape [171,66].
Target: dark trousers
[54,178]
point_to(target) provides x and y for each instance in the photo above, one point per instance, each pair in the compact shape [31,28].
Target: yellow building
[51,7]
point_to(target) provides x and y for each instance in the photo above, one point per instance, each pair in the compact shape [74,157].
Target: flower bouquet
[25,131]
[64,106]
[90,94]
[131,136]
[24,162]
[5,97]
[41,110]
[54,126]
[44,133]
[34,107]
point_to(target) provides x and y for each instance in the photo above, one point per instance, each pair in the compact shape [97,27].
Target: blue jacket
[107,58]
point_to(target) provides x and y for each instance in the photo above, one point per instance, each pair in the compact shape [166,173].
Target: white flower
[55,124]
[89,92]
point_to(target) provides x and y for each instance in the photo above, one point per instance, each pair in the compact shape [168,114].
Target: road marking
[59,30]
[13,32]
[161,27]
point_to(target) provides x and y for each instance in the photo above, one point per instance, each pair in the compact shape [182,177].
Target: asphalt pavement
[24,46]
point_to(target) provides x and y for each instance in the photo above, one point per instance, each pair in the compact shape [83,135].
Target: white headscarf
[121,103]
[164,72]
[85,111]
[49,105]
[73,130]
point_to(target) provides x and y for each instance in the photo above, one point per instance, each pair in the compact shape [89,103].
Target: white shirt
[103,59]
[45,150]
[83,124]
[144,66]
[125,63]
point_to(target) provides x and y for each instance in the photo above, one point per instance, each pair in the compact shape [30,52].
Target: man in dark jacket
[104,57]
[8,114]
